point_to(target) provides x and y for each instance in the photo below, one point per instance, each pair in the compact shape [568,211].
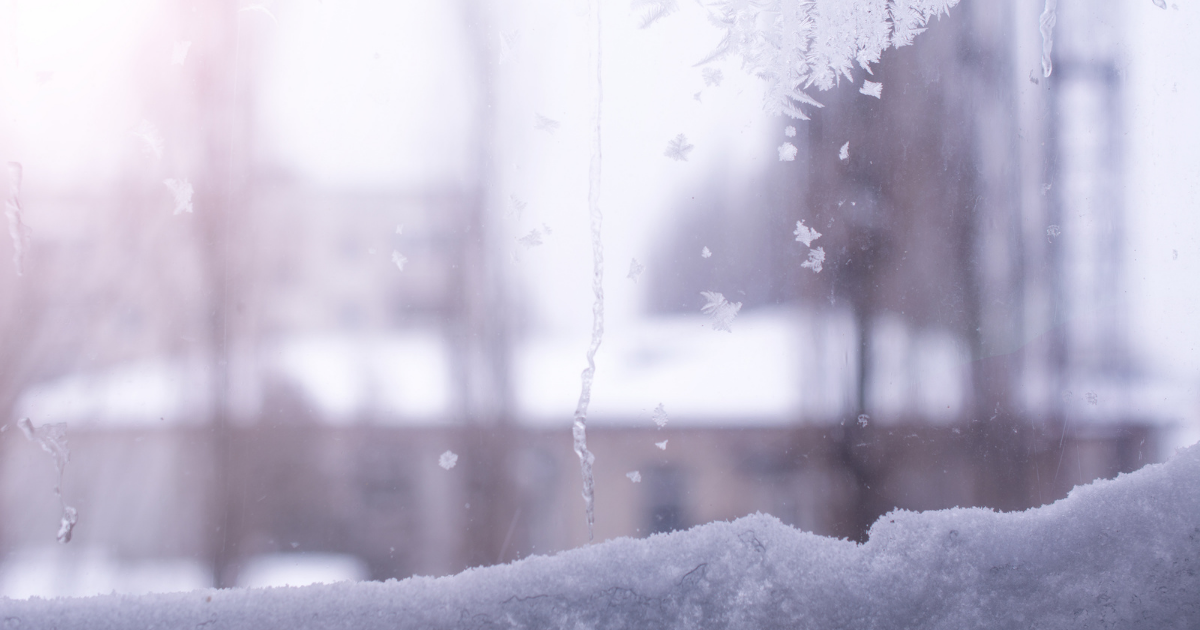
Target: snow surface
[1120,553]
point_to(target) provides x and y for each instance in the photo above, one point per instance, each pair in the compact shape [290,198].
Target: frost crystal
[816,258]
[635,476]
[447,460]
[720,310]
[53,439]
[635,269]
[1053,232]
[787,152]
[871,88]
[152,141]
[864,420]
[805,234]
[789,131]
[712,77]
[1092,398]
[533,239]
[399,259]
[1046,26]
[705,253]
[796,45]
[179,52]
[518,206]
[651,11]
[182,192]
[12,209]
[678,148]
[1174,254]
[662,446]
[260,8]
[400,228]
[1162,4]
[542,123]
[844,152]
[659,416]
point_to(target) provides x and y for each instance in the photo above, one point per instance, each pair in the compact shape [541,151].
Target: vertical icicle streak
[1049,17]
[579,428]
[12,209]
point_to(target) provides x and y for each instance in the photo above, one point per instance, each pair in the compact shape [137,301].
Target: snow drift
[1122,553]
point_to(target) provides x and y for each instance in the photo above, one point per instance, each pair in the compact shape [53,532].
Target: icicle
[579,428]
[12,209]
[1047,28]
[53,439]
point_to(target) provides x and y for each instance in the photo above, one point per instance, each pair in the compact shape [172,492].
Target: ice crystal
[1053,232]
[705,253]
[399,228]
[152,140]
[1046,27]
[1174,254]
[518,206]
[53,440]
[662,446]
[651,11]
[1092,398]
[712,77]
[794,46]
[542,123]
[399,259]
[179,52]
[844,152]
[816,258]
[660,416]
[805,234]
[871,88]
[678,148]
[787,152]
[259,7]
[532,239]
[182,190]
[1162,4]
[864,420]
[634,476]
[447,460]
[12,210]
[789,131]
[635,269]
[720,310]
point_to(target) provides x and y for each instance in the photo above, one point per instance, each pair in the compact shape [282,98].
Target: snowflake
[787,152]
[542,123]
[660,416]
[447,460]
[712,76]
[634,476]
[532,239]
[705,253]
[662,446]
[805,234]
[816,258]
[399,259]
[635,269]
[518,206]
[871,88]
[678,148]
[182,190]
[789,131]
[152,141]
[720,310]
[844,152]
[399,228]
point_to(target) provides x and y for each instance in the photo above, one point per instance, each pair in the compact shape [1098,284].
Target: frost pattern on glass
[844,152]
[12,210]
[651,11]
[399,228]
[542,123]
[53,440]
[720,310]
[399,259]
[712,77]
[1053,232]
[662,446]
[797,45]
[259,7]
[864,420]
[678,148]
[1092,398]
[635,269]
[179,52]
[152,140]
[1162,4]
[871,88]
[182,191]
[532,239]
[659,416]
[518,206]
[705,253]
[816,258]
[447,460]
[805,234]
[634,476]
[596,218]
[789,131]
[1046,26]
[787,152]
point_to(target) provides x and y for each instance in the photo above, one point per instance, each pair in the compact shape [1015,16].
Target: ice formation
[542,123]
[805,234]
[12,210]
[182,191]
[864,420]
[705,253]
[871,88]
[662,446]
[844,152]
[635,269]
[634,476]
[53,439]
[447,460]
[789,131]
[720,310]
[399,259]
[787,152]
[678,148]
[152,140]
[660,416]
[1046,26]
[1122,553]
[179,52]
[816,258]
[651,11]
[712,77]
[532,239]
[794,46]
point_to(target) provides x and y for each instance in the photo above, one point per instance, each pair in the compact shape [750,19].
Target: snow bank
[1122,553]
